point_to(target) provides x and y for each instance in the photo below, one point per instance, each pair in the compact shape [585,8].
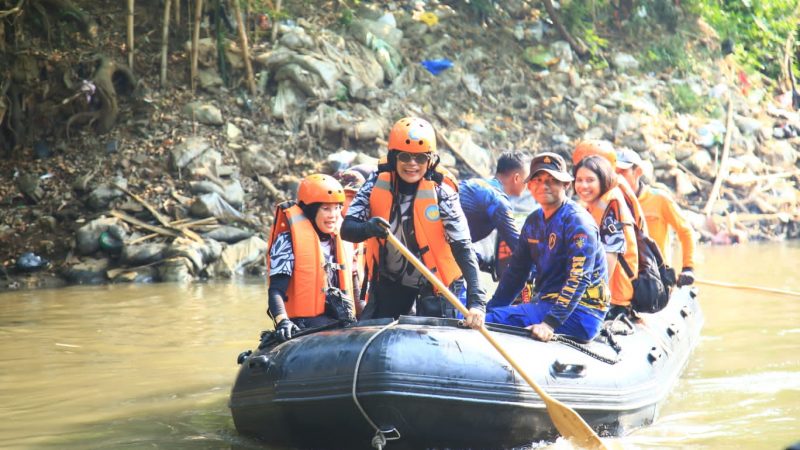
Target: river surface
[151,366]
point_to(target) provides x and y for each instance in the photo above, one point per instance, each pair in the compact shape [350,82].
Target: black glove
[285,329]
[686,278]
[377,227]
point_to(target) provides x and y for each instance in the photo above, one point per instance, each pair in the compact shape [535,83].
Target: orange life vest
[428,229]
[632,200]
[307,286]
[620,284]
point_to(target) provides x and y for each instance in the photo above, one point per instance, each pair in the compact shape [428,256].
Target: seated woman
[310,271]
[596,186]
[560,242]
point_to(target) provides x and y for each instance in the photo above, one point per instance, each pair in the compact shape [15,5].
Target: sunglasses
[419,158]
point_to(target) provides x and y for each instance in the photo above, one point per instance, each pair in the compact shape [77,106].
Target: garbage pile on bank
[190,186]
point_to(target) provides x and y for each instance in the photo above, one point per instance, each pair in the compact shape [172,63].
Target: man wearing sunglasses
[421,204]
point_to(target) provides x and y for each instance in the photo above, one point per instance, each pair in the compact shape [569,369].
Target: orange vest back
[632,200]
[306,294]
[620,284]
[428,229]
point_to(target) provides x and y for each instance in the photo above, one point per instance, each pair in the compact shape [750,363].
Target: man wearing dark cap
[660,212]
[561,243]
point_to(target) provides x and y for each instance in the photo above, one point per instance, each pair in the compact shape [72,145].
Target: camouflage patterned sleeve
[452,216]
[359,208]
[281,255]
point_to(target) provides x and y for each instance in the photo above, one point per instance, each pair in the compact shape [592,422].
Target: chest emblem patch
[551,241]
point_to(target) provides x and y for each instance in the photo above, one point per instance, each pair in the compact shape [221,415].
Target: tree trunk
[198,17]
[165,42]
[130,34]
[577,46]
[177,13]
[251,82]
[275,22]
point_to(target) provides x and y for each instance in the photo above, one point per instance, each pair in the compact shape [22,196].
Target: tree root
[110,78]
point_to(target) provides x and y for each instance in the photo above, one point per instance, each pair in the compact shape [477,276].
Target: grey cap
[627,158]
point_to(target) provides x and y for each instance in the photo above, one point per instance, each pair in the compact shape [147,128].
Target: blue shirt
[487,209]
[567,256]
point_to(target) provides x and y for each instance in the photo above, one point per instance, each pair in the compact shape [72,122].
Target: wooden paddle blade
[572,426]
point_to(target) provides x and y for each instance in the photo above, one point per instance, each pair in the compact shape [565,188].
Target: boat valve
[243,356]
[568,369]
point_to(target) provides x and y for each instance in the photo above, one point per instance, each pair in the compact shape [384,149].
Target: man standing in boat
[661,213]
[561,243]
[421,204]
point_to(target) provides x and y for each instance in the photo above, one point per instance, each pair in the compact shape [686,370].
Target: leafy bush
[758,28]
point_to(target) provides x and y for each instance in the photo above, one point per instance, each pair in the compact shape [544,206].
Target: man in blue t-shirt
[560,242]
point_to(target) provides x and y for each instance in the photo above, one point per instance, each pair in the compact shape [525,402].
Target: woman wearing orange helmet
[423,210]
[310,271]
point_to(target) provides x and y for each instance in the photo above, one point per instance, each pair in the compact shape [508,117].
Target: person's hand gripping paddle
[567,421]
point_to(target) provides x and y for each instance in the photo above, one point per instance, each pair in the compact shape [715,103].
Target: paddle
[751,288]
[566,420]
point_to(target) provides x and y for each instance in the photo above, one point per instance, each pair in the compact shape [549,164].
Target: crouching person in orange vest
[310,272]
[422,207]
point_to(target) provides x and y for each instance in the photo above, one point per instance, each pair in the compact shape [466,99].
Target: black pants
[391,299]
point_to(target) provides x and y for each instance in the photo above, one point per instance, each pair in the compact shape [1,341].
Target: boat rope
[584,349]
[380,438]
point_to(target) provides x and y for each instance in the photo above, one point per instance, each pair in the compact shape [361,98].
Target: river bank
[184,185]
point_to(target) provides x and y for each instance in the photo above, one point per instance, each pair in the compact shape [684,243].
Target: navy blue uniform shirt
[487,209]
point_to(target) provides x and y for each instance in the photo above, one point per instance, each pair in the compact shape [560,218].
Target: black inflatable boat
[422,382]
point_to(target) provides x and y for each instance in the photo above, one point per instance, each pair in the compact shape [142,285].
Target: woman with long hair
[597,188]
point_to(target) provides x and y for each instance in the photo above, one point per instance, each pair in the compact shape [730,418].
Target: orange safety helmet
[319,188]
[413,135]
[595,147]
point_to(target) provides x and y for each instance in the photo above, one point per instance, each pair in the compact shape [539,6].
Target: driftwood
[154,228]
[457,151]
[576,45]
[179,225]
[160,217]
[722,171]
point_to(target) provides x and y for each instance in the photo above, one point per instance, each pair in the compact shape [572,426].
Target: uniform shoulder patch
[432,213]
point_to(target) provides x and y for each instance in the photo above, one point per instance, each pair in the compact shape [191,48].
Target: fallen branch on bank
[158,216]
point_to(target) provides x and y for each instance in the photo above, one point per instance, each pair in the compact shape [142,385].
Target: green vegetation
[669,53]
[684,99]
[759,30]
